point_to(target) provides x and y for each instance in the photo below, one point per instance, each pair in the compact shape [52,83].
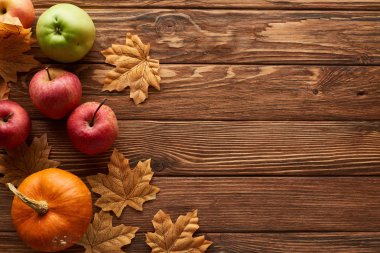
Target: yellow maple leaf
[102,237]
[15,41]
[22,161]
[178,237]
[123,186]
[134,69]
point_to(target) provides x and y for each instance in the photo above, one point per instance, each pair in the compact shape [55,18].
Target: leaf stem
[41,207]
[47,70]
[96,111]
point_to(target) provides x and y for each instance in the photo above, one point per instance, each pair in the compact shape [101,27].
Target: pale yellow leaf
[133,68]
[178,237]
[123,186]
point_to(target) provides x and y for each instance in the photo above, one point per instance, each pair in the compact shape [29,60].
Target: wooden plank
[225,92]
[257,4]
[254,204]
[227,36]
[232,148]
[296,242]
[245,242]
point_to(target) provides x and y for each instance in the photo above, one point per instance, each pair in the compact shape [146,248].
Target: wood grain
[232,148]
[245,242]
[257,204]
[224,92]
[295,242]
[228,36]
[257,4]
[302,112]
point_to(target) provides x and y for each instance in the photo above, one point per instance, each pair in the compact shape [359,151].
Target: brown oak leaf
[4,91]
[22,161]
[134,68]
[123,186]
[15,41]
[102,237]
[178,237]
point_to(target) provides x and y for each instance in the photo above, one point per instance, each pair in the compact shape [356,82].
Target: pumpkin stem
[41,207]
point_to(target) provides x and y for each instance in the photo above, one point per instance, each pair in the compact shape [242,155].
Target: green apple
[65,33]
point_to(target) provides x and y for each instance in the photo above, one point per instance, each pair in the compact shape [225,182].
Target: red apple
[92,127]
[55,92]
[15,124]
[22,9]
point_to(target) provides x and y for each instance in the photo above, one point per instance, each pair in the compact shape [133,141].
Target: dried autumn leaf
[102,237]
[15,41]
[178,237]
[4,91]
[123,186]
[134,68]
[8,19]
[22,161]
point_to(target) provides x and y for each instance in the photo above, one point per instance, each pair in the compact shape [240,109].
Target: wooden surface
[236,92]
[253,242]
[215,148]
[268,121]
[225,4]
[243,36]
[258,204]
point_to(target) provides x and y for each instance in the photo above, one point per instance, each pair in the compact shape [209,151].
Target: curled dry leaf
[4,91]
[134,68]
[15,41]
[123,186]
[8,19]
[178,237]
[22,161]
[102,237]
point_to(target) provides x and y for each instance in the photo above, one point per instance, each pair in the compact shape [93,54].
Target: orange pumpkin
[51,210]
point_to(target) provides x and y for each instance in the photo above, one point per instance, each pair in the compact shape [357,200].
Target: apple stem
[96,111]
[47,70]
[6,118]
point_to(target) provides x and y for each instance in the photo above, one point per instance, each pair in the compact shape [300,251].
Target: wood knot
[167,25]
[157,165]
